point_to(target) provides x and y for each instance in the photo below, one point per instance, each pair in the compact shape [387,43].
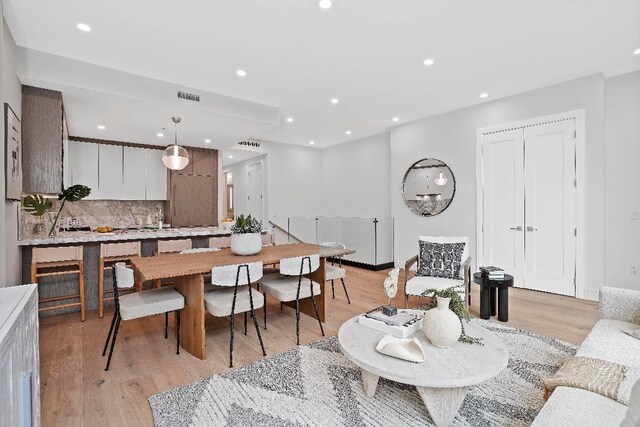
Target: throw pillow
[440,259]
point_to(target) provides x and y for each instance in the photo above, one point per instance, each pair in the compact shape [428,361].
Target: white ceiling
[367,53]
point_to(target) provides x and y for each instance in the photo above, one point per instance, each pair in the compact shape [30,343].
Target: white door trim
[581,205]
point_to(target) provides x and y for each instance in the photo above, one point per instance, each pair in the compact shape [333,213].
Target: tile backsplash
[94,213]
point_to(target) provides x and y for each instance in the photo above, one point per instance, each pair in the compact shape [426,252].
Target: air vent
[188,96]
[247,145]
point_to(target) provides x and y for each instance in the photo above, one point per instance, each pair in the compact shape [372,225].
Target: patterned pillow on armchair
[440,259]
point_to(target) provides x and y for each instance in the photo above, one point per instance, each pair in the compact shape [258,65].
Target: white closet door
[550,243]
[503,202]
[256,186]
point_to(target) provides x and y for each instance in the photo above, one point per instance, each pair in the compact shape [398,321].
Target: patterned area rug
[315,385]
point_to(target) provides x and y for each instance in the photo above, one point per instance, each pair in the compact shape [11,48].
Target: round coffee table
[442,380]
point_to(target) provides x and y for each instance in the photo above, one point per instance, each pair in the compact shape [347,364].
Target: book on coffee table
[400,325]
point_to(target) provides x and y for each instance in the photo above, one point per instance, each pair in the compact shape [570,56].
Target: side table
[488,296]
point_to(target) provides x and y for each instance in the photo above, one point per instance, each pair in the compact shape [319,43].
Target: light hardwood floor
[76,390]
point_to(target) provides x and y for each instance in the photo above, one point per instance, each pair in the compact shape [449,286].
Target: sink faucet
[159,213]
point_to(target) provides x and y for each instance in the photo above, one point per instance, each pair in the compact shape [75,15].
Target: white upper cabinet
[84,166]
[110,172]
[156,176]
[134,174]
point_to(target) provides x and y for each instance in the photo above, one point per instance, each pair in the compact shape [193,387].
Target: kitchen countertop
[120,235]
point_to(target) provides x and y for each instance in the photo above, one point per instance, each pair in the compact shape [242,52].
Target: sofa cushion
[577,407]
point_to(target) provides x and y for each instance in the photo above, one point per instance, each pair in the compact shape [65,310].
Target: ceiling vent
[188,96]
[248,145]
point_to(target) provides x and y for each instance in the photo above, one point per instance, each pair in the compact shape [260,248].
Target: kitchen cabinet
[110,172]
[134,179]
[204,162]
[192,201]
[42,140]
[84,166]
[156,175]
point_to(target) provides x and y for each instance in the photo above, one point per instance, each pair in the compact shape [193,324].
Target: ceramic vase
[441,325]
[246,244]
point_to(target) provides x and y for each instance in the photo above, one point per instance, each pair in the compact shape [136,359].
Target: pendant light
[175,157]
[441,179]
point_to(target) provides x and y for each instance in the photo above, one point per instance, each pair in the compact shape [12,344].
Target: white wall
[622,179]
[11,93]
[451,138]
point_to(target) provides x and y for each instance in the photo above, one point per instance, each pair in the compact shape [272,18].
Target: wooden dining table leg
[192,332]
[306,305]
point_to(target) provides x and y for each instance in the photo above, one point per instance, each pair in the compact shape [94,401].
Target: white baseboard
[591,294]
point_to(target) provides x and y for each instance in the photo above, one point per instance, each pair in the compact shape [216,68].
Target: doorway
[255,190]
[528,202]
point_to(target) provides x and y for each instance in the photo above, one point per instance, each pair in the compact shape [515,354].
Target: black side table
[488,296]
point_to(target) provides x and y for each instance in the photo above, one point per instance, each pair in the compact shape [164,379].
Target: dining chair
[110,254]
[333,272]
[232,294]
[140,304]
[170,247]
[287,286]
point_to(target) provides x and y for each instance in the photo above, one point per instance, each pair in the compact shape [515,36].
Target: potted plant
[38,206]
[245,236]
[446,300]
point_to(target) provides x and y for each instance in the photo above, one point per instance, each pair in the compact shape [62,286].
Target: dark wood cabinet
[42,136]
[193,191]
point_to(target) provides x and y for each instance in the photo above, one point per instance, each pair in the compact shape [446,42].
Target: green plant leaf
[36,205]
[246,224]
[75,193]
[457,306]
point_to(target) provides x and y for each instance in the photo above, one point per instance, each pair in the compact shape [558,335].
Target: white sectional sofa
[619,309]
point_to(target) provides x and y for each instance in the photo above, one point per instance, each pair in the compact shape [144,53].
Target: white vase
[441,325]
[246,244]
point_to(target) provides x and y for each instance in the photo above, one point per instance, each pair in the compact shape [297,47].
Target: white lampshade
[441,179]
[175,157]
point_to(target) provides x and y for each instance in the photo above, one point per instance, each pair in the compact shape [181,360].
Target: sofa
[619,309]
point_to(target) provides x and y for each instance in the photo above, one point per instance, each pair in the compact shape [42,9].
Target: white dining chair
[232,294]
[288,286]
[336,272]
[141,304]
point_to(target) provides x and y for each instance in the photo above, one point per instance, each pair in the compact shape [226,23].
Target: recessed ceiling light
[325,4]
[290,119]
[428,62]
[102,127]
[335,100]
[395,119]
[83,27]
[207,140]
[348,132]
[311,142]
[636,52]
[241,73]
[159,134]
[484,95]
[230,156]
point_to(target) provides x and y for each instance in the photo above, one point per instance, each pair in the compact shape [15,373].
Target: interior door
[503,202]
[255,205]
[550,212]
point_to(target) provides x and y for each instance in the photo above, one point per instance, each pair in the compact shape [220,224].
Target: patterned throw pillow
[440,259]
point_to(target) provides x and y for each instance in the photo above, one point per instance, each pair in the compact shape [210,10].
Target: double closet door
[529,205]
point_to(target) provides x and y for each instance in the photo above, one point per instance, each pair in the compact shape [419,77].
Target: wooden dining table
[188,270]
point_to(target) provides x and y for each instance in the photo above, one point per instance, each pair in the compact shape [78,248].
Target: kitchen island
[58,286]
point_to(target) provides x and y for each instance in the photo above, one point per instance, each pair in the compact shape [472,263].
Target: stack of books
[492,273]
[400,325]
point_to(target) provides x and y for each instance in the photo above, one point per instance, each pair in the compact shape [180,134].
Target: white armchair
[415,285]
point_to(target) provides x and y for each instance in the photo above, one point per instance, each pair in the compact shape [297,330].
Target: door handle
[529,228]
[518,228]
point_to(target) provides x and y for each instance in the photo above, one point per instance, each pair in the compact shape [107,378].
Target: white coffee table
[442,380]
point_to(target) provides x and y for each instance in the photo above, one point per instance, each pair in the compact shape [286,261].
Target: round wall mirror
[428,187]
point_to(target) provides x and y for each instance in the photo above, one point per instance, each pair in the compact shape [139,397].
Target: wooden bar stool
[59,261]
[171,247]
[220,242]
[110,254]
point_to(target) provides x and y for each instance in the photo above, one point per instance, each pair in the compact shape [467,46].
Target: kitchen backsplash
[94,213]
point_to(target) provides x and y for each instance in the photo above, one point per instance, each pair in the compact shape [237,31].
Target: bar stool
[171,247]
[110,254]
[59,261]
[220,242]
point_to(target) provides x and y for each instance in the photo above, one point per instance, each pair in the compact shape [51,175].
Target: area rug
[315,385]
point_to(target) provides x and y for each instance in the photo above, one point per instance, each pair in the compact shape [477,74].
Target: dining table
[187,271]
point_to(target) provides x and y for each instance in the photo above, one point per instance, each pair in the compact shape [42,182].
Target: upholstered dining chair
[232,294]
[334,272]
[288,286]
[141,304]
[443,262]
